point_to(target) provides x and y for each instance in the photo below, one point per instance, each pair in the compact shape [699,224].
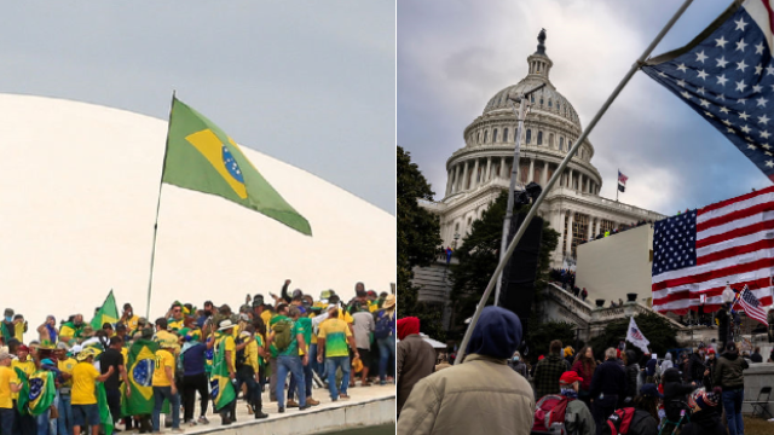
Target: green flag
[222,391]
[41,392]
[24,393]
[108,313]
[201,157]
[104,410]
[139,370]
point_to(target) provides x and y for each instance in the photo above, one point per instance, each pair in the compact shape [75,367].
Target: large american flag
[701,251]
[726,74]
[752,306]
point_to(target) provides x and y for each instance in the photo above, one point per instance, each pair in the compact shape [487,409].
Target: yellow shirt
[132,323]
[19,331]
[84,377]
[345,316]
[314,336]
[164,359]
[7,377]
[251,355]
[266,317]
[67,366]
[230,344]
[28,367]
[125,354]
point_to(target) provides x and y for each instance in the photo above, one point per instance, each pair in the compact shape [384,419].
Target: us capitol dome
[480,170]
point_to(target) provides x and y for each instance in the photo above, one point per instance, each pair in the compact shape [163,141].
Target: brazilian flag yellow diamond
[201,157]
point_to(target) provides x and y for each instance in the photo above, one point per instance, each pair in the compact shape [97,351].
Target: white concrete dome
[80,185]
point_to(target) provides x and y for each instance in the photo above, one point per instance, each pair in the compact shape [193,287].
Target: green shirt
[304,325]
[292,349]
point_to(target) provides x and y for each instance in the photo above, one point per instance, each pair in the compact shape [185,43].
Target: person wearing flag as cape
[224,371]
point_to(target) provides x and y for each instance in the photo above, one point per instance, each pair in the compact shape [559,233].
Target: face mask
[8,318]
[515,358]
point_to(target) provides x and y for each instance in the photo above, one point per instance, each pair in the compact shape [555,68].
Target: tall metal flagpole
[617,180]
[521,114]
[533,210]
[158,207]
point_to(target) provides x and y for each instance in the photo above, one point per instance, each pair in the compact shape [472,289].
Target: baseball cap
[568,378]
[711,351]
[650,390]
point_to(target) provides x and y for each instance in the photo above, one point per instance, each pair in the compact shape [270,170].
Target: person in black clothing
[645,419]
[709,374]
[608,387]
[705,419]
[675,395]
[113,357]
[696,367]
[632,371]
[756,357]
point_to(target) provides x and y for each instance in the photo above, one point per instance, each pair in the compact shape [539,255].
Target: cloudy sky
[310,83]
[454,55]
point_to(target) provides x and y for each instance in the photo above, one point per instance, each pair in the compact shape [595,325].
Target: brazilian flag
[222,391]
[104,410]
[24,393]
[201,157]
[41,392]
[142,362]
[69,329]
[108,313]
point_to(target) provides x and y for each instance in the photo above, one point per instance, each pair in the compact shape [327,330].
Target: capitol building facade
[479,171]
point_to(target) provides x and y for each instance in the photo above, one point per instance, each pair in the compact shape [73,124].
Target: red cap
[711,351]
[570,378]
[23,347]
[540,357]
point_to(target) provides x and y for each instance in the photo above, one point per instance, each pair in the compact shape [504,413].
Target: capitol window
[479,137]
[494,136]
[505,135]
[529,135]
[532,99]
[486,136]
[541,101]
[540,138]
[551,140]
[550,103]
[561,144]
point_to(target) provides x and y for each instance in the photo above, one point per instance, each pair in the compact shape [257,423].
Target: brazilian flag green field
[201,157]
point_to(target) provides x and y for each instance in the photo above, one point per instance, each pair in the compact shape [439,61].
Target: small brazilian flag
[42,392]
[222,391]
[108,313]
[24,393]
[142,362]
[201,157]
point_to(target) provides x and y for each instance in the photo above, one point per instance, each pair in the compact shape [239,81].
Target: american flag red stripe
[752,307]
[734,243]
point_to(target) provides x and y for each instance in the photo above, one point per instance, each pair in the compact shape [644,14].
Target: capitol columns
[450,172]
[580,182]
[570,218]
[464,185]
[502,167]
[544,175]
[531,170]
[474,176]
[488,169]
[456,185]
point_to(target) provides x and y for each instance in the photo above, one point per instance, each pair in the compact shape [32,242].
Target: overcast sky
[311,83]
[453,56]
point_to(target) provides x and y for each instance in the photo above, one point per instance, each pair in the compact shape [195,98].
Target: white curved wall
[78,191]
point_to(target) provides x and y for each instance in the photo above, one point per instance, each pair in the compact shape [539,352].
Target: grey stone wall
[757,376]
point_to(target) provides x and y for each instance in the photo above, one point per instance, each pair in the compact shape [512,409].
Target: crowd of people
[495,391]
[57,382]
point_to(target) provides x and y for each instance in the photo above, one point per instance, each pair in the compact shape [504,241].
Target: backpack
[282,334]
[383,327]
[619,422]
[549,410]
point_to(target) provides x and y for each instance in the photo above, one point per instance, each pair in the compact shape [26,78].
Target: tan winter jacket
[482,395]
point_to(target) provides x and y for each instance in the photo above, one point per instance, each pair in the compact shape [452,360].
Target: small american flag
[698,252]
[752,306]
[726,75]
[622,178]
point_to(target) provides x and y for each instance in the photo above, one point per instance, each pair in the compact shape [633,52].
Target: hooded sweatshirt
[407,326]
[729,371]
[704,422]
[666,364]
[675,394]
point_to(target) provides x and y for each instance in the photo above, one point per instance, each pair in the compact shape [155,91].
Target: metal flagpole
[158,207]
[521,114]
[617,188]
[533,210]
